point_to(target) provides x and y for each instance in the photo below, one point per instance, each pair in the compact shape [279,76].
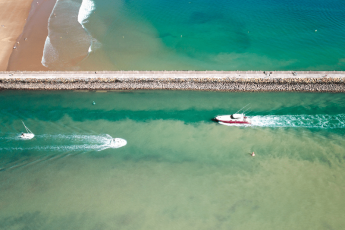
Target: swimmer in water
[253,154]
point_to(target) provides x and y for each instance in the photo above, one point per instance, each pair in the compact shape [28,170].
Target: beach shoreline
[28,54]
[250,81]
[13,17]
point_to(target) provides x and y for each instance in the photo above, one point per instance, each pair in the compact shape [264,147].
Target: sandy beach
[13,15]
[29,51]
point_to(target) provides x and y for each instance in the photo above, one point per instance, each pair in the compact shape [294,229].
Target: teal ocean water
[180,169]
[196,35]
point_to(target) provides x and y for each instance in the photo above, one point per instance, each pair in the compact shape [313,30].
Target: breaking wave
[68,42]
[86,9]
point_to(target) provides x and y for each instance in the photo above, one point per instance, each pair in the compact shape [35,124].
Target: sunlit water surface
[196,35]
[180,169]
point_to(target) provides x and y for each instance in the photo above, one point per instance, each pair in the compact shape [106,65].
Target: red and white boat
[233,119]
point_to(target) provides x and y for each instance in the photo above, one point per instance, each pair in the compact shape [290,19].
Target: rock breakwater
[207,81]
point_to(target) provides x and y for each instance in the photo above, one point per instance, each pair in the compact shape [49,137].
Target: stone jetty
[303,81]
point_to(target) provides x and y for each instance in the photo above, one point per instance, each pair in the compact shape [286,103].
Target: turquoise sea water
[196,35]
[179,170]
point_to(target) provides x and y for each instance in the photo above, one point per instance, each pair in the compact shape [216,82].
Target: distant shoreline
[249,81]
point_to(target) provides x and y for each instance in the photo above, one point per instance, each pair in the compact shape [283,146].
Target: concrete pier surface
[308,81]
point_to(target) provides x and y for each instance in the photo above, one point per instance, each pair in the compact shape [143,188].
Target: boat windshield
[237,116]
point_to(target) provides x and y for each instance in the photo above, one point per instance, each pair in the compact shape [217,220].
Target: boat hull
[27,136]
[235,122]
[235,119]
[118,143]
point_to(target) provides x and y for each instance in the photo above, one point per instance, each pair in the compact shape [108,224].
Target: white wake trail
[87,142]
[322,121]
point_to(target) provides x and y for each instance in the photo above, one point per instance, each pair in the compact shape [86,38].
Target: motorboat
[233,119]
[28,135]
[117,143]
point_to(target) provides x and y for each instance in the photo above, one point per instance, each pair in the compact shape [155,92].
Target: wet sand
[28,54]
[13,15]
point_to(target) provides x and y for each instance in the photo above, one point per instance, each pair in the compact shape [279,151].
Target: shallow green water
[179,170]
[196,35]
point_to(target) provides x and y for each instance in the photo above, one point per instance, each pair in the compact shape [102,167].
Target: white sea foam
[49,53]
[47,45]
[86,9]
[61,49]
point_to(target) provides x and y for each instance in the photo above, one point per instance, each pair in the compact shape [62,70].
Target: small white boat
[28,135]
[233,119]
[117,143]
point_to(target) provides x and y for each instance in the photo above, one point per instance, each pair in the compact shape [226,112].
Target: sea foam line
[47,43]
[86,9]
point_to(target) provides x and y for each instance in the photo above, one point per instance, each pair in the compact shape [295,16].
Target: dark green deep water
[179,170]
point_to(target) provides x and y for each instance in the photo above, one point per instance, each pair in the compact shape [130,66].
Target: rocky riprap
[317,84]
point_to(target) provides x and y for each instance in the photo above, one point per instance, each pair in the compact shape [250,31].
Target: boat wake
[68,143]
[89,138]
[57,148]
[60,145]
[320,121]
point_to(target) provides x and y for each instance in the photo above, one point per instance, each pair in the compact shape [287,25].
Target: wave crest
[86,9]
[68,42]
